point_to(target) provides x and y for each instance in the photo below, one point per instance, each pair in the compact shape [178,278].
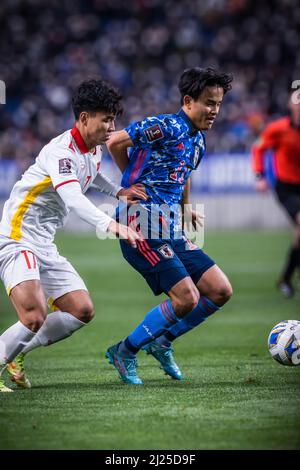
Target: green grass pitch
[234,396]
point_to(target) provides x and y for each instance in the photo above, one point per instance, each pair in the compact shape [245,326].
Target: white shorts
[21,262]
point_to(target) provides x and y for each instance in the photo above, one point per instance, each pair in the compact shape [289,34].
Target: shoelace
[131,365]
[166,351]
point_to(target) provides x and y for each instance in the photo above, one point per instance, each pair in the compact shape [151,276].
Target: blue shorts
[163,263]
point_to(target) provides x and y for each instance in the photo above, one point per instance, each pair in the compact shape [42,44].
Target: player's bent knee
[33,320]
[224,293]
[32,315]
[193,301]
[86,312]
[187,303]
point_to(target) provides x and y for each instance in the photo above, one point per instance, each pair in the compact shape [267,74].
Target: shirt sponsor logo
[166,251]
[65,166]
[154,133]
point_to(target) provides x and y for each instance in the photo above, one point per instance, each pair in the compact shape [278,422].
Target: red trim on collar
[79,140]
[71,146]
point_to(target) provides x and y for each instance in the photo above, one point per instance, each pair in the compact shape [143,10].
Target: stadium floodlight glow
[2,92]
[296,94]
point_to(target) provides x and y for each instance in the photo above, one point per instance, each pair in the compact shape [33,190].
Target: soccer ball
[284,342]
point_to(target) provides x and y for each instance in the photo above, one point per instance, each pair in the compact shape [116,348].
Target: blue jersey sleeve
[151,131]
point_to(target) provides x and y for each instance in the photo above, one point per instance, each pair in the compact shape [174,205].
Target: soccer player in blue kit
[163,150]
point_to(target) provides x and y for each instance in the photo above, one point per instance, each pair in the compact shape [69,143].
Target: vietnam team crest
[166,251]
[65,166]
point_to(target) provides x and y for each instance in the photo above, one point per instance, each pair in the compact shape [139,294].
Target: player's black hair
[193,81]
[96,95]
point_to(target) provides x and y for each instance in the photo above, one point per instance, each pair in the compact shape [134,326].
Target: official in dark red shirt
[283,137]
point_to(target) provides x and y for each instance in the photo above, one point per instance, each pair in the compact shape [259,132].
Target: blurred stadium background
[142,46]
[236,396]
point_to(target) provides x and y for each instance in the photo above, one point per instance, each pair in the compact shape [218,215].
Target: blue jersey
[166,149]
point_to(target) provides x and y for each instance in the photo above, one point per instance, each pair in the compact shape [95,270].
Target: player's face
[203,111]
[99,127]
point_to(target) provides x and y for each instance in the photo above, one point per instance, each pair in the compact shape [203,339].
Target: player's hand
[262,185]
[126,233]
[197,218]
[134,194]
[193,216]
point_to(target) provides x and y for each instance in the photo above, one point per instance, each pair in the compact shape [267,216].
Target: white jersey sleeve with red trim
[106,185]
[62,166]
[73,198]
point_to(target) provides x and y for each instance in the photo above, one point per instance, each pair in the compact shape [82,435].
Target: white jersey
[35,209]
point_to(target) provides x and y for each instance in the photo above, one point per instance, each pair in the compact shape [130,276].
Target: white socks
[57,326]
[18,338]
[13,340]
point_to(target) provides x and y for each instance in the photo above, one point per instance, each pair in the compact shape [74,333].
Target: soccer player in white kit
[31,268]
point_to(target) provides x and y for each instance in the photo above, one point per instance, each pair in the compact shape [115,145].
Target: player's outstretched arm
[131,195]
[75,200]
[126,233]
[117,145]
[105,185]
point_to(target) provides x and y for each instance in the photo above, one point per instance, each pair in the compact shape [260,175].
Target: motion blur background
[142,47]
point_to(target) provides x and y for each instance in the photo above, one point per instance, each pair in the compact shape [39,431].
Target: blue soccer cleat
[126,366]
[164,355]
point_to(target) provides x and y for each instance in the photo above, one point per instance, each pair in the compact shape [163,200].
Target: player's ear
[83,117]
[187,100]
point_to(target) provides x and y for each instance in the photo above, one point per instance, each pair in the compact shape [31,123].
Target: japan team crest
[166,251]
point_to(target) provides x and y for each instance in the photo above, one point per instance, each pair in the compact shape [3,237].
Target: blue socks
[162,323]
[157,321]
[204,309]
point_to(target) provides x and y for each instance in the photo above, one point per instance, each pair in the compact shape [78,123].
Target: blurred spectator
[142,46]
